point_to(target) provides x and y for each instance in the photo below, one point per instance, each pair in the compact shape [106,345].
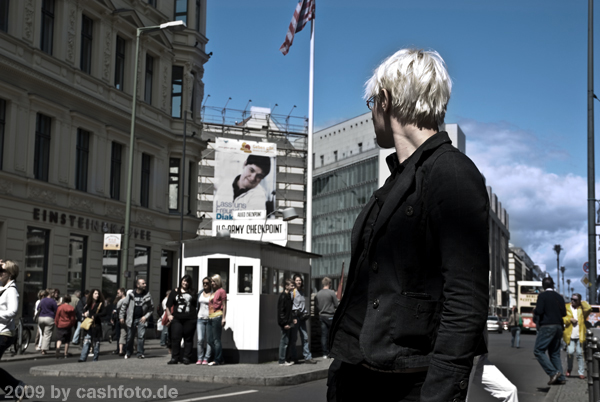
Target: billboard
[245,177]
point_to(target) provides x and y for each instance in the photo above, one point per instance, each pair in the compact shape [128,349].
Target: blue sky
[520,81]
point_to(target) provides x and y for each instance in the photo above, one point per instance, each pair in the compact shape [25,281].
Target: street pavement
[261,382]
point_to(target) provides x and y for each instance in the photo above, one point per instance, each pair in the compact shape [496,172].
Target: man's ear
[385,100]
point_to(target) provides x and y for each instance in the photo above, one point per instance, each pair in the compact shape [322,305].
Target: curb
[283,380]
[50,355]
[553,394]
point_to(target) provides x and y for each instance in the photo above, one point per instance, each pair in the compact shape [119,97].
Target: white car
[494,324]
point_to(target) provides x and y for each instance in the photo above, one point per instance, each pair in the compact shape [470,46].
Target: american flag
[305,11]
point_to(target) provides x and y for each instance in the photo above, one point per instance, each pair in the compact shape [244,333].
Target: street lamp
[562,269]
[568,286]
[557,249]
[171,26]
[288,214]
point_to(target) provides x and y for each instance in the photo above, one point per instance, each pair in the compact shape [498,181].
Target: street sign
[586,267]
[586,281]
[112,241]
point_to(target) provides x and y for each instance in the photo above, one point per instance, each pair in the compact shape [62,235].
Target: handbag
[87,323]
[165,318]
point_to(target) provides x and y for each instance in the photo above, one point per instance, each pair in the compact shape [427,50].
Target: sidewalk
[155,367]
[574,390]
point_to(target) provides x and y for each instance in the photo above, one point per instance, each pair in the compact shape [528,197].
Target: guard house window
[245,279]
[174,184]
[36,268]
[219,266]
[322,160]
[86,44]
[181,10]
[148,83]
[360,147]
[115,171]
[47,26]
[198,10]
[77,263]
[177,87]
[335,156]
[2,124]
[120,63]
[145,187]
[41,160]
[81,163]
[4,15]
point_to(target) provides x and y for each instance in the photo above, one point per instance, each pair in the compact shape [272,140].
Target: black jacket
[97,314]
[549,309]
[428,271]
[284,310]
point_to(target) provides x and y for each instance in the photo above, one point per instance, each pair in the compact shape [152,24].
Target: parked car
[494,324]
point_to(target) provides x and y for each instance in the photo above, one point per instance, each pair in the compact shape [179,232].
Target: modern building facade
[66,90]
[520,268]
[498,242]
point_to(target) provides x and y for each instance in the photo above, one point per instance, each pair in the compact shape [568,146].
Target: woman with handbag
[93,312]
[217,309]
[184,301]
[203,327]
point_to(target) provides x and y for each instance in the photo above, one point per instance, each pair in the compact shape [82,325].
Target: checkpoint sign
[586,267]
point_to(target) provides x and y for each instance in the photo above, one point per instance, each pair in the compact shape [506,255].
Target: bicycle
[22,338]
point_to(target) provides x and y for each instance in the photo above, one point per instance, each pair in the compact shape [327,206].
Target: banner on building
[245,178]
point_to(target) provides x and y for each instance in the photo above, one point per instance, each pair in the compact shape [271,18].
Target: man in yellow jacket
[574,333]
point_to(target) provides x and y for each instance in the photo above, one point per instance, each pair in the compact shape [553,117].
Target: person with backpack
[515,323]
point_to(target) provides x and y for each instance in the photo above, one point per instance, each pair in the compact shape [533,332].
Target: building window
[86,44]
[145,186]
[190,183]
[47,26]
[335,156]
[76,269]
[2,124]
[111,261]
[81,163]
[4,15]
[142,264]
[174,184]
[360,147]
[149,72]
[181,10]
[41,162]
[322,160]
[120,63]
[198,10]
[36,268]
[115,171]
[177,87]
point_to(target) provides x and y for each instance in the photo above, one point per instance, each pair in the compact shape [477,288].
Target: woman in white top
[203,298]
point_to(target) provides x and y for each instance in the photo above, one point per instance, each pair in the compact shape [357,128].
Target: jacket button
[409,211]
[375,303]
[462,384]
[374,266]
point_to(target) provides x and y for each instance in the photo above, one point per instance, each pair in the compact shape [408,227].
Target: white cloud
[544,208]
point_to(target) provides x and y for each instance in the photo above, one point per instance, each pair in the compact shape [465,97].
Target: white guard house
[252,274]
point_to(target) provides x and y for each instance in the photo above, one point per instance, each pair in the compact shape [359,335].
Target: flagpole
[309,158]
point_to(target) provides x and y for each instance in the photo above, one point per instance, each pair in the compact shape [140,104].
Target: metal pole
[309,159]
[182,185]
[589,352]
[591,162]
[125,248]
